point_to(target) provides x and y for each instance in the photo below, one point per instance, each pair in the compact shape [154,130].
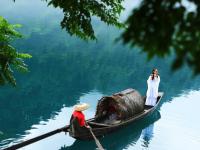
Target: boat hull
[102,129]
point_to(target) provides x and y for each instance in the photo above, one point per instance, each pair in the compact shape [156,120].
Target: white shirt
[152,91]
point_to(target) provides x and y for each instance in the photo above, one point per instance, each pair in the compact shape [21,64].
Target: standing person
[77,121]
[153,85]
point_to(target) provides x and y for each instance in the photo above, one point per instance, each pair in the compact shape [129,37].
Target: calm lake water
[65,70]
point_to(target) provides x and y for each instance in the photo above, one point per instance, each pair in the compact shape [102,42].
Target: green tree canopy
[161,27]
[9,57]
[78,15]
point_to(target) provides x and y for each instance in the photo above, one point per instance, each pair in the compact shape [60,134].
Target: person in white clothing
[153,85]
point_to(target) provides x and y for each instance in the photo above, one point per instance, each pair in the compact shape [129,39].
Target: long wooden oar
[38,138]
[96,140]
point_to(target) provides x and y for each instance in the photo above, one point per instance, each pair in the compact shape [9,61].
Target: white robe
[152,91]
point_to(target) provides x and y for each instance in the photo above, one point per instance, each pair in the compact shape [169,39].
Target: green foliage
[78,15]
[160,27]
[9,57]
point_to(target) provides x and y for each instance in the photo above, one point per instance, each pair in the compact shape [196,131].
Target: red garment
[80,116]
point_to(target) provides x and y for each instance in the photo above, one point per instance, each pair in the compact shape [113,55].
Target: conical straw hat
[81,107]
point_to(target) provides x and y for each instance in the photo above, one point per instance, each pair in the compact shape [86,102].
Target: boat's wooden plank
[99,124]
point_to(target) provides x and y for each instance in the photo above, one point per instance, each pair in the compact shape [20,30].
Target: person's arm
[148,79]
[158,80]
[86,125]
[84,122]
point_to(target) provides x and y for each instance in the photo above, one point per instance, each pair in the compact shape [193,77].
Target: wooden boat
[100,128]
[123,137]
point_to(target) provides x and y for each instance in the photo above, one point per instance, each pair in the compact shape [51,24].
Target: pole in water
[100,147]
[37,138]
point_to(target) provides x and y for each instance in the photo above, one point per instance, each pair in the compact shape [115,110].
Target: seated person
[111,114]
[77,121]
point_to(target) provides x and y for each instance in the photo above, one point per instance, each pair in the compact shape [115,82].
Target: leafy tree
[9,57]
[78,15]
[159,27]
